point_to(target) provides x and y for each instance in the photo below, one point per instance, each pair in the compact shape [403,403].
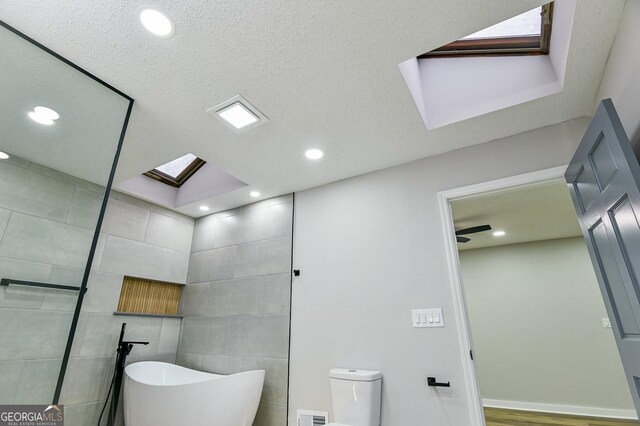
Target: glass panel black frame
[94,242]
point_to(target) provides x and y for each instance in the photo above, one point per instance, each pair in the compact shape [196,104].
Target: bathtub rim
[209,377]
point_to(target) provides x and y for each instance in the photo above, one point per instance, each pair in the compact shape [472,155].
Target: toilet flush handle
[431,381]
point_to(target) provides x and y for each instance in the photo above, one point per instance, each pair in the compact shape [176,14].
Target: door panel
[613,282]
[604,180]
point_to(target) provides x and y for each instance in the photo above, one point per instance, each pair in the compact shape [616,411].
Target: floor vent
[312,418]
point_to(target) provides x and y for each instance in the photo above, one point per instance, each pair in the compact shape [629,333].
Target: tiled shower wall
[236,303]
[137,239]
[47,222]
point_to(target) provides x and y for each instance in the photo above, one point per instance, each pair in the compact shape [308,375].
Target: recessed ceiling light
[254,194]
[314,154]
[499,234]
[204,208]
[43,115]
[238,115]
[156,22]
[3,155]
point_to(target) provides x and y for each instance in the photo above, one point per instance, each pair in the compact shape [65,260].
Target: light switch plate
[427,318]
[606,323]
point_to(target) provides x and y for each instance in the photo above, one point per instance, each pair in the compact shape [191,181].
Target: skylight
[176,172]
[526,24]
[526,34]
[177,166]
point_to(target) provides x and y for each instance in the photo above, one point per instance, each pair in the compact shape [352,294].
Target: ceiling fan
[472,230]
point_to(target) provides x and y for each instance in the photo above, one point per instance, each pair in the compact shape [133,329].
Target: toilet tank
[356,396]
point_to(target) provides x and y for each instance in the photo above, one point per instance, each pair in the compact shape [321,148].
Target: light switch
[427,318]
[606,323]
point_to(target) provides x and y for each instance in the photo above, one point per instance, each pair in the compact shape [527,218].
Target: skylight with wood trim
[176,172]
[526,34]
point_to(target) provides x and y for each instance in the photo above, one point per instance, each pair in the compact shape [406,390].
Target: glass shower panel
[59,133]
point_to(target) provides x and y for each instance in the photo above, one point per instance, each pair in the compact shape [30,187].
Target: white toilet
[356,397]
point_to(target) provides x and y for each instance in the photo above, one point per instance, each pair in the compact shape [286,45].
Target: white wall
[621,81]
[535,311]
[370,249]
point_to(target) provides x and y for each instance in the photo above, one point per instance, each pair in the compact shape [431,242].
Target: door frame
[455,276]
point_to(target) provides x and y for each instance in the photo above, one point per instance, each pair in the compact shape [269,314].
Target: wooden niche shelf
[143,296]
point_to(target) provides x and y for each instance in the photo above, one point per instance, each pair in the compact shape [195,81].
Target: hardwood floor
[502,417]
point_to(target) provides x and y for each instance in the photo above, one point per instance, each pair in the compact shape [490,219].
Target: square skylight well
[512,62]
[238,114]
[176,172]
[526,34]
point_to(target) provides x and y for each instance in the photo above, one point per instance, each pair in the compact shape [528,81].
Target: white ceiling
[532,213]
[324,72]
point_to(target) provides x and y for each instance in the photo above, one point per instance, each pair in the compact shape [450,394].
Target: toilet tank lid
[355,374]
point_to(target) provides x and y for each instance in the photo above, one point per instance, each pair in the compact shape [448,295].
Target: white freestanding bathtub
[162,394]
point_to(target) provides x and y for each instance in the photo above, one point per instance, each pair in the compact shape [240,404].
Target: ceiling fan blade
[473,230]
[462,239]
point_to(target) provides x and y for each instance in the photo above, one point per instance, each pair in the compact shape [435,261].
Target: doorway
[529,308]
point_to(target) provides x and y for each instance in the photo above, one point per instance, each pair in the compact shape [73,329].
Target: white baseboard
[611,413]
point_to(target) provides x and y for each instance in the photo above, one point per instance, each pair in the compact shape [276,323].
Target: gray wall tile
[143,329]
[103,292]
[100,335]
[34,194]
[271,415]
[234,297]
[203,233]
[125,220]
[242,258]
[79,334]
[194,300]
[85,208]
[275,380]
[24,270]
[18,161]
[126,198]
[21,297]
[79,414]
[204,335]
[128,257]
[244,336]
[187,360]
[168,232]
[225,364]
[66,276]
[264,257]
[10,372]
[4,220]
[97,254]
[275,294]
[102,331]
[169,335]
[121,250]
[87,380]
[273,336]
[259,221]
[212,265]
[40,240]
[38,381]
[59,300]
[64,177]
[28,334]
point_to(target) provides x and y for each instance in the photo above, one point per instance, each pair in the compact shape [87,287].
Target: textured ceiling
[324,72]
[532,213]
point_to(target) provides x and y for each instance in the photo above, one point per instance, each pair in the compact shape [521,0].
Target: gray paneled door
[604,181]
